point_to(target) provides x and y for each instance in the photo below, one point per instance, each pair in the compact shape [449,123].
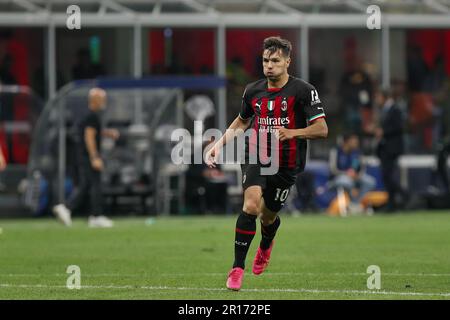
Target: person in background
[206,188]
[90,165]
[2,167]
[390,145]
[306,193]
[356,92]
[348,172]
[2,160]
[7,102]
[442,156]
[442,98]
[416,67]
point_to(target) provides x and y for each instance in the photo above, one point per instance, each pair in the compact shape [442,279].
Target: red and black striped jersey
[293,106]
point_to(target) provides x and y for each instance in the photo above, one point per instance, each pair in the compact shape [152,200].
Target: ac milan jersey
[293,106]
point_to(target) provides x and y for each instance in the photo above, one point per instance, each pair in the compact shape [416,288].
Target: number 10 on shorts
[281,195]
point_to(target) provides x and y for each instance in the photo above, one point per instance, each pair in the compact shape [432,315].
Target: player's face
[275,64]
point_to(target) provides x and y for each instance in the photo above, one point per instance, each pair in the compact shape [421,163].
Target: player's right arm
[237,127]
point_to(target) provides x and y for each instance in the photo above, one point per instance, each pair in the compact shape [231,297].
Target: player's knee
[251,207]
[268,219]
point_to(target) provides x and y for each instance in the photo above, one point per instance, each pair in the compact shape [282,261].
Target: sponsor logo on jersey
[258,105]
[267,124]
[268,121]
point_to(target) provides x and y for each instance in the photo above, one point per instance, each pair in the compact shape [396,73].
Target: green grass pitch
[315,257]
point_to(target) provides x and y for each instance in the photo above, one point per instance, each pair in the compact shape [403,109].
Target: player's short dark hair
[273,44]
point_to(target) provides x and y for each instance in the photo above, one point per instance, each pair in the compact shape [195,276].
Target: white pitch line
[214,274]
[317,274]
[300,290]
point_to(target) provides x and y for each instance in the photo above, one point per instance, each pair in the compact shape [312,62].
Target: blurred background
[166,63]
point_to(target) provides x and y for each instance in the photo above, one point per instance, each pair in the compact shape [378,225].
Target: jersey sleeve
[246,108]
[92,121]
[313,107]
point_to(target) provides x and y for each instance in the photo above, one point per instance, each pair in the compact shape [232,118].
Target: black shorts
[275,188]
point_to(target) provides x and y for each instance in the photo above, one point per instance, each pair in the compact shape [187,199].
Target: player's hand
[211,157]
[283,134]
[97,164]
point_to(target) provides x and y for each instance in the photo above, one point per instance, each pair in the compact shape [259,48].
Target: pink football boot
[234,281]
[261,260]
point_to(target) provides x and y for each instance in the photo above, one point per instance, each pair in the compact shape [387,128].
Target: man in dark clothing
[2,160]
[7,102]
[356,92]
[442,156]
[206,188]
[306,193]
[90,164]
[390,145]
[443,148]
[417,68]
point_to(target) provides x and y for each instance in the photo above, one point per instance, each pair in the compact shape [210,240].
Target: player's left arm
[314,113]
[317,130]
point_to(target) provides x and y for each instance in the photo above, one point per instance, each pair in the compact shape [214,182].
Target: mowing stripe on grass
[300,290]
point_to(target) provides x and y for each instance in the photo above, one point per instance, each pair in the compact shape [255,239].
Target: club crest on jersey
[284,105]
[270,105]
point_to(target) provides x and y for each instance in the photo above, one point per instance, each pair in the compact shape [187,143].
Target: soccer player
[90,165]
[291,108]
